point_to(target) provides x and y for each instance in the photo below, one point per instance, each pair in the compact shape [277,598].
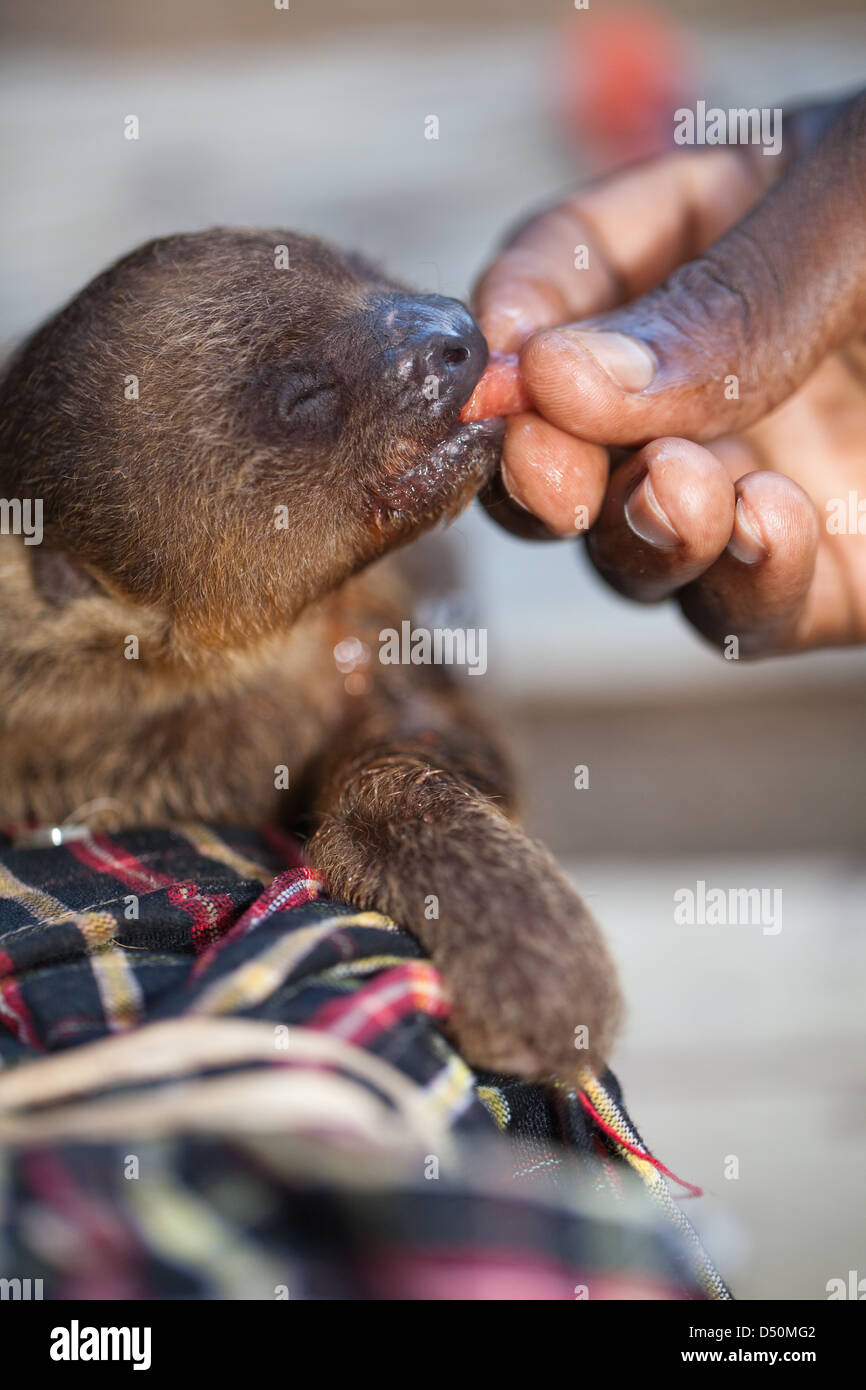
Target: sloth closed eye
[306,405]
[302,406]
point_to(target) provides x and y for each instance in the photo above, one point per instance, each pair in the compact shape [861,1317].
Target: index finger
[611,242]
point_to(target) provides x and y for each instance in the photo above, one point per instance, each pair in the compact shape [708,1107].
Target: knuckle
[731,296]
[729,308]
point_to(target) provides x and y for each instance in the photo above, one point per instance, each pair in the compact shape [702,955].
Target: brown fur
[159,524]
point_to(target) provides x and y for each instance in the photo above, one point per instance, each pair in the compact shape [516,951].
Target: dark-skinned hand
[699,388]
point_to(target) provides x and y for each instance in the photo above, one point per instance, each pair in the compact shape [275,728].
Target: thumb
[730,335]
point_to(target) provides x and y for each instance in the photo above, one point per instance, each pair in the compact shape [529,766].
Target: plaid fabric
[217,1083]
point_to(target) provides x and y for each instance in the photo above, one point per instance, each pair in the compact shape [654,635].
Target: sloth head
[226,425]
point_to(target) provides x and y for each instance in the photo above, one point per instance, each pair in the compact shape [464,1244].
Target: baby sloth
[224,431]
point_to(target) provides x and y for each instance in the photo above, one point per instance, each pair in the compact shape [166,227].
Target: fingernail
[648,519]
[510,487]
[628,362]
[746,544]
[506,330]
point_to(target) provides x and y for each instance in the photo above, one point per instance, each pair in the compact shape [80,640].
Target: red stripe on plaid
[506,1275]
[107,1248]
[13,1011]
[415,987]
[290,850]
[588,1106]
[211,913]
[102,854]
[292,888]
[606,1160]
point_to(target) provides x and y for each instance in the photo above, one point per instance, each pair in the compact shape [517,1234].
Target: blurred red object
[623,75]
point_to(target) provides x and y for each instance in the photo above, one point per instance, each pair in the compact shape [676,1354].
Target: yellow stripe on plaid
[186,1229]
[97,928]
[37,902]
[493,1100]
[613,1116]
[120,993]
[210,846]
[254,980]
[352,969]
[453,1087]
[708,1276]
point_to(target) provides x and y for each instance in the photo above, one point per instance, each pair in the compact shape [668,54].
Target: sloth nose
[440,348]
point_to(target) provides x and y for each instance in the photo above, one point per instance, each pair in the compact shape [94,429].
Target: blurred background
[312,116]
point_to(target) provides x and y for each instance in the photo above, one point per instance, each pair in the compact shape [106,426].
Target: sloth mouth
[446,479]
[470,442]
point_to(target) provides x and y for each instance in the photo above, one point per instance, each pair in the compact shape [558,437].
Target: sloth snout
[438,349]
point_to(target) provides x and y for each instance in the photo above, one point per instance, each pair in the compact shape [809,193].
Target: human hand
[719,454]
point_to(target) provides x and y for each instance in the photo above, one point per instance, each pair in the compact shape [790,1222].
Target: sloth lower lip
[461,437]
[469,449]
[447,477]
